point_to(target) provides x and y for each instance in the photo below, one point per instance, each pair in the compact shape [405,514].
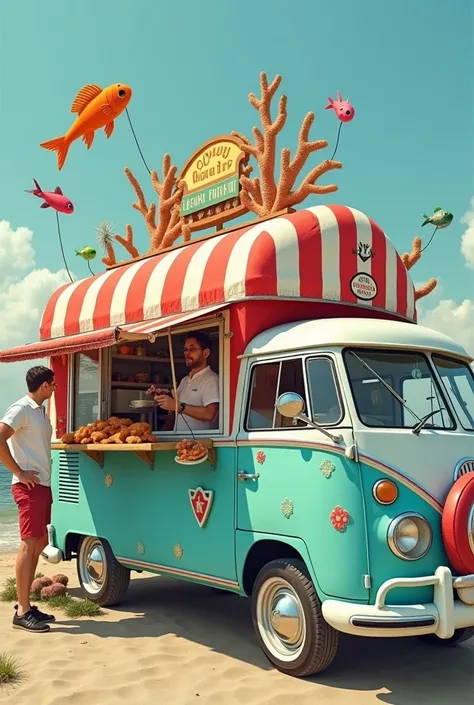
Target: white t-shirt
[30,445]
[201,389]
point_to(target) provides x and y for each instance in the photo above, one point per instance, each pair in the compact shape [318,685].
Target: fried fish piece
[109,439]
[98,436]
[134,439]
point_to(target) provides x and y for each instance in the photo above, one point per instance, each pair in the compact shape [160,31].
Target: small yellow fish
[88,253]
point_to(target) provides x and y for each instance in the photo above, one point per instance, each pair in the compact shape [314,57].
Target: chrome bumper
[50,553]
[452,608]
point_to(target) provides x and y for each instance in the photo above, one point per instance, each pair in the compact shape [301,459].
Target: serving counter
[145,451]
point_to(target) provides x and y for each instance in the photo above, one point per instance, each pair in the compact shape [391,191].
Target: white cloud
[16,252]
[467,239]
[24,293]
[453,319]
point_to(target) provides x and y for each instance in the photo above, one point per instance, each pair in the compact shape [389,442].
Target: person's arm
[13,421]
[202,413]
[206,412]
[210,398]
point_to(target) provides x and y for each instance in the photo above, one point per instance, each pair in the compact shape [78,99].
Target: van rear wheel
[288,620]
[102,578]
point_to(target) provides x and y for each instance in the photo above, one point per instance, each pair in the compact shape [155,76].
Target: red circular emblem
[455,524]
[260,457]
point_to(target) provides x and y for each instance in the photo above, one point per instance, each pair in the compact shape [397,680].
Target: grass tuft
[82,608]
[72,606]
[8,592]
[9,669]
[60,602]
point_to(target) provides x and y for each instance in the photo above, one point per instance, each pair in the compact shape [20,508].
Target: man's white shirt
[201,389]
[30,445]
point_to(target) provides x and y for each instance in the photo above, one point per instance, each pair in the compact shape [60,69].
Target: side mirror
[290,405]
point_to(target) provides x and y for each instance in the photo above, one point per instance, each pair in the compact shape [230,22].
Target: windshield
[458,383]
[409,375]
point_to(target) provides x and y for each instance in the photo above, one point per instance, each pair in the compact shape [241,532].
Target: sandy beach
[179,643]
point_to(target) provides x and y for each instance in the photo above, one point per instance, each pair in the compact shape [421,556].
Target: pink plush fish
[343,108]
[53,199]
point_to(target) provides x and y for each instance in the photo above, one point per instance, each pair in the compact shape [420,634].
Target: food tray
[142,404]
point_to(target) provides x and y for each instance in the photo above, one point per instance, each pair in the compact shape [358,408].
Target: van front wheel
[102,578]
[288,620]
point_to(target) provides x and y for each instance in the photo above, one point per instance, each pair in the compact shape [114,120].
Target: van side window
[326,407]
[269,380]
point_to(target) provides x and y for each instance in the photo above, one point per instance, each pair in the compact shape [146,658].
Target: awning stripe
[61,346]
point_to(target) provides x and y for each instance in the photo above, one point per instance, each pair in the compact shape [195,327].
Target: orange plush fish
[96,107]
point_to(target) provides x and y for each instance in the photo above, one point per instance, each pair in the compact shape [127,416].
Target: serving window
[128,371]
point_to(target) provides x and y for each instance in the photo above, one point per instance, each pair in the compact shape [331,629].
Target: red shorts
[34,509]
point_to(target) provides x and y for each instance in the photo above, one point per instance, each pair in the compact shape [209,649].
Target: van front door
[291,477]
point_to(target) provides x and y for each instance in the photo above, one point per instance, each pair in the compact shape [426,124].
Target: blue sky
[404,65]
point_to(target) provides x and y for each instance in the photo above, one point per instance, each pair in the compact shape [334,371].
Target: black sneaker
[30,623]
[41,616]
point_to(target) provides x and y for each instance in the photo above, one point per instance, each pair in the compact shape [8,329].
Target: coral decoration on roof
[217,176]
[325,253]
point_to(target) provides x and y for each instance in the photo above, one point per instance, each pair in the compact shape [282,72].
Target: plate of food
[190,453]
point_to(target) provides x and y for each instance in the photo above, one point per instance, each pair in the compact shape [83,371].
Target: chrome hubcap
[281,620]
[92,565]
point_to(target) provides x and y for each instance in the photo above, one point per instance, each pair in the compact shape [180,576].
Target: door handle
[244,476]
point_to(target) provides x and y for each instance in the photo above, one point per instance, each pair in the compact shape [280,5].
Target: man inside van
[198,392]
[25,450]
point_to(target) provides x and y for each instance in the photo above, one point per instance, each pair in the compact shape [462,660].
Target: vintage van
[338,489]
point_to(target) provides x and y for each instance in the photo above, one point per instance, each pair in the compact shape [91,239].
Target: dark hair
[203,339]
[36,376]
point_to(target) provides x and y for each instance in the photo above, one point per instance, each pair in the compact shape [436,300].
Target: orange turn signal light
[385,491]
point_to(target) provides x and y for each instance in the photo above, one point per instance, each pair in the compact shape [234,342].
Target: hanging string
[62,250]
[136,141]
[90,268]
[429,241]
[337,141]
[192,434]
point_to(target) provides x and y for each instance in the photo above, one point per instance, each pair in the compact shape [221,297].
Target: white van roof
[363,332]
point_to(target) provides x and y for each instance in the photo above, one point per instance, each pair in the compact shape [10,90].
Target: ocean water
[9,536]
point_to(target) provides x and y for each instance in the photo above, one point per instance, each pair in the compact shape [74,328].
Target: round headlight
[409,536]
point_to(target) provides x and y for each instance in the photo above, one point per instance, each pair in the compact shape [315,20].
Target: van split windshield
[410,392]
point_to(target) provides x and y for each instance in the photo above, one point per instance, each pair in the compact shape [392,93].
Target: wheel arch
[253,551]
[71,544]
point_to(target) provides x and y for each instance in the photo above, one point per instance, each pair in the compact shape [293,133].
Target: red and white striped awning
[326,253]
[100,338]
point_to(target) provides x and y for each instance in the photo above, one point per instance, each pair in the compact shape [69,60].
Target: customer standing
[25,450]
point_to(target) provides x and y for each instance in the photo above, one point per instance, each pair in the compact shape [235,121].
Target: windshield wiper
[417,428]
[387,386]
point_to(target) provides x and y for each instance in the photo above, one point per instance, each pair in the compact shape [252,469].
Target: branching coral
[263,195]
[409,260]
